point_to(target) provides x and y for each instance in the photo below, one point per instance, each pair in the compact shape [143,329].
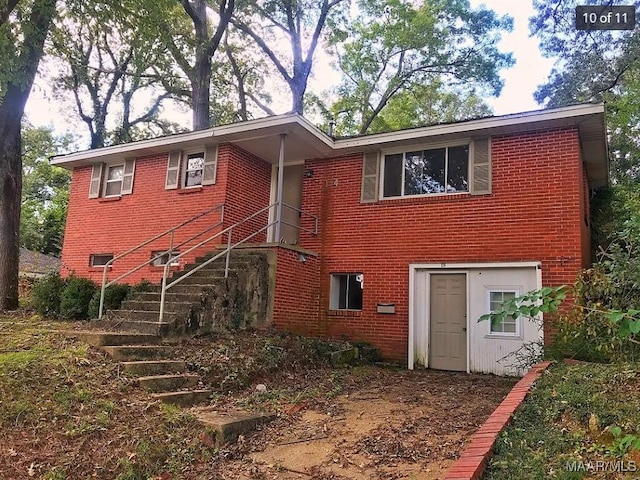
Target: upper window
[191,169]
[346,291]
[424,172]
[113,183]
[112,180]
[194,165]
[508,326]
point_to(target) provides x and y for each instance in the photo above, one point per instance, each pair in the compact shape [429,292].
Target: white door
[448,322]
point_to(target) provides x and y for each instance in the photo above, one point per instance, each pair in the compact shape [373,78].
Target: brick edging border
[475,457]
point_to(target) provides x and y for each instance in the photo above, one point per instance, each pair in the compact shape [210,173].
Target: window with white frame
[113,179]
[191,169]
[100,259]
[346,291]
[508,325]
[423,172]
[194,166]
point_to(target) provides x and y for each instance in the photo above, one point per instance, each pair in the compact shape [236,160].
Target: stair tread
[181,392]
[168,376]
[152,362]
[141,347]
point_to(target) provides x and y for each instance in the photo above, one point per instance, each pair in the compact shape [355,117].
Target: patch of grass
[571,416]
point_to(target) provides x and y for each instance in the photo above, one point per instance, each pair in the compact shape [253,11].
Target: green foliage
[578,413]
[45,191]
[113,297]
[143,285]
[46,295]
[108,56]
[594,66]
[75,298]
[397,56]
[531,304]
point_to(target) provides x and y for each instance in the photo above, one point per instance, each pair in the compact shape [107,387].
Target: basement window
[163,257]
[100,259]
[346,291]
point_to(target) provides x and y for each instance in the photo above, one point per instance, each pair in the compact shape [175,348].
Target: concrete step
[143,315]
[200,278]
[98,339]
[184,288]
[171,296]
[154,305]
[136,352]
[151,327]
[185,398]
[153,367]
[230,425]
[236,257]
[212,267]
[168,383]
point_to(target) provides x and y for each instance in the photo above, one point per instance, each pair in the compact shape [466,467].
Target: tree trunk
[10,194]
[11,111]
[201,88]
[298,87]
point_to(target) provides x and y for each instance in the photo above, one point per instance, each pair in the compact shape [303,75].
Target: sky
[521,80]
[531,68]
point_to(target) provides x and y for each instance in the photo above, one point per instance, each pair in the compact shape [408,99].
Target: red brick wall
[586,220]
[114,225]
[533,213]
[296,293]
[248,190]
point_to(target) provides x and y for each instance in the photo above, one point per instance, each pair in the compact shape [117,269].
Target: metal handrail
[302,212]
[171,231]
[227,251]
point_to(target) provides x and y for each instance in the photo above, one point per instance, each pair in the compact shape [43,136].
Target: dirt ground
[394,424]
[67,412]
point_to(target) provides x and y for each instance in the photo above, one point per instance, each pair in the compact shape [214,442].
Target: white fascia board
[286,121]
[444,265]
[236,131]
[128,148]
[470,126]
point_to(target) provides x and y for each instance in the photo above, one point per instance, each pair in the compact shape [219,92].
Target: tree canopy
[397,48]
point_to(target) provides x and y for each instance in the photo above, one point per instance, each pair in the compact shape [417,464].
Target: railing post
[170,245]
[163,291]
[103,289]
[226,265]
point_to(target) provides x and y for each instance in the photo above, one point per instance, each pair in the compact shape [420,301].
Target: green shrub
[75,298]
[113,298]
[46,294]
[143,285]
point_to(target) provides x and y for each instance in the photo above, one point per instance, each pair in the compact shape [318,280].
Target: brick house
[400,239]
